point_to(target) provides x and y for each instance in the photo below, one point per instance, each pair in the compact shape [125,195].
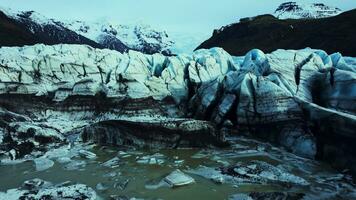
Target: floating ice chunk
[63,160]
[75,165]
[178,178]
[1,136]
[101,187]
[155,159]
[43,164]
[110,175]
[112,163]
[200,155]
[178,162]
[12,154]
[87,154]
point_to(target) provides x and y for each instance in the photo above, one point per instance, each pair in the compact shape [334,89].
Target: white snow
[132,35]
[293,10]
[186,43]
[34,16]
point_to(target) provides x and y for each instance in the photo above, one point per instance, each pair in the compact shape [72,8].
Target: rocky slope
[294,10]
[302,100]
[268,33]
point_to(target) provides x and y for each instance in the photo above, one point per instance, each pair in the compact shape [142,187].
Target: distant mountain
[186,42]
[268,33]
[138,37]
[29,27]
[294,10]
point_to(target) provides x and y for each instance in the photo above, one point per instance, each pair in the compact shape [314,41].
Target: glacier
[300,99]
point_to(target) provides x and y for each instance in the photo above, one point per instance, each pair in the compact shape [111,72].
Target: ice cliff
[301,99]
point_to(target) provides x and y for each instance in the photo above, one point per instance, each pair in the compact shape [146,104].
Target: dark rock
[122,184]
[270,34]
[170,133]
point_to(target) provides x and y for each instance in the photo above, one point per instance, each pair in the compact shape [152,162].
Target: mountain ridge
[268,33]
[31,27]
[26,32]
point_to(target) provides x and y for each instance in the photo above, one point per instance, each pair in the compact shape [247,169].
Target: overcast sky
[171,15]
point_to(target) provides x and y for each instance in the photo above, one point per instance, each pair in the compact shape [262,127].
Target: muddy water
[133,179]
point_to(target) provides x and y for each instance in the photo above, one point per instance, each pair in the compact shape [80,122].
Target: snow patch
[294,10]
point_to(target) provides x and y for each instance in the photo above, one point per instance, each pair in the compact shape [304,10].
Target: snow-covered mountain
[20,28]
[139,37]
[271,32]
[99,34]
[294,10]
[27,15]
